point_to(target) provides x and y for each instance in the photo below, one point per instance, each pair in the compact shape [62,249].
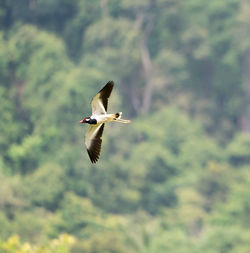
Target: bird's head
[85,120]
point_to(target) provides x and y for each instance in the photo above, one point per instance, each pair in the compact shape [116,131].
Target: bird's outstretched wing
[99,103]
[93,141]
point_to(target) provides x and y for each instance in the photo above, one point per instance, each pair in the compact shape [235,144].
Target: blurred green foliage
[176,179]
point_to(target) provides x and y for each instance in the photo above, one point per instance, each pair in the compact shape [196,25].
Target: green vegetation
[176,179]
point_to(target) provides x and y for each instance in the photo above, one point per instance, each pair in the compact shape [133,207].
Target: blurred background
[175,180]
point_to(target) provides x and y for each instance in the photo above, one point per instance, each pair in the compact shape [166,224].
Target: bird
[93,136]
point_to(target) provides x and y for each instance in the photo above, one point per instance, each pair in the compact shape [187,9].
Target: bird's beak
[82,121]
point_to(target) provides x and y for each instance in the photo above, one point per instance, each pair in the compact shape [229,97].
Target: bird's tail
[118,116]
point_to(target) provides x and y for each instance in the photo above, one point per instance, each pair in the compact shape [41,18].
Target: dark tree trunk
[245,120]
[32,4]
[148,76]
[147,66]
[104,8]
[105,14]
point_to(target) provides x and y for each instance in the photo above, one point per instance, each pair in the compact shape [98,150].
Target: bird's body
[103,118]
[93,136]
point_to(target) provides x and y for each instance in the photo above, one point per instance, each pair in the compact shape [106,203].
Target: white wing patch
[97,106]
[99,103]
[90,134]
[93,141]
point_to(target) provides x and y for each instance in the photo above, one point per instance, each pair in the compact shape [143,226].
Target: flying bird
[99,105]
